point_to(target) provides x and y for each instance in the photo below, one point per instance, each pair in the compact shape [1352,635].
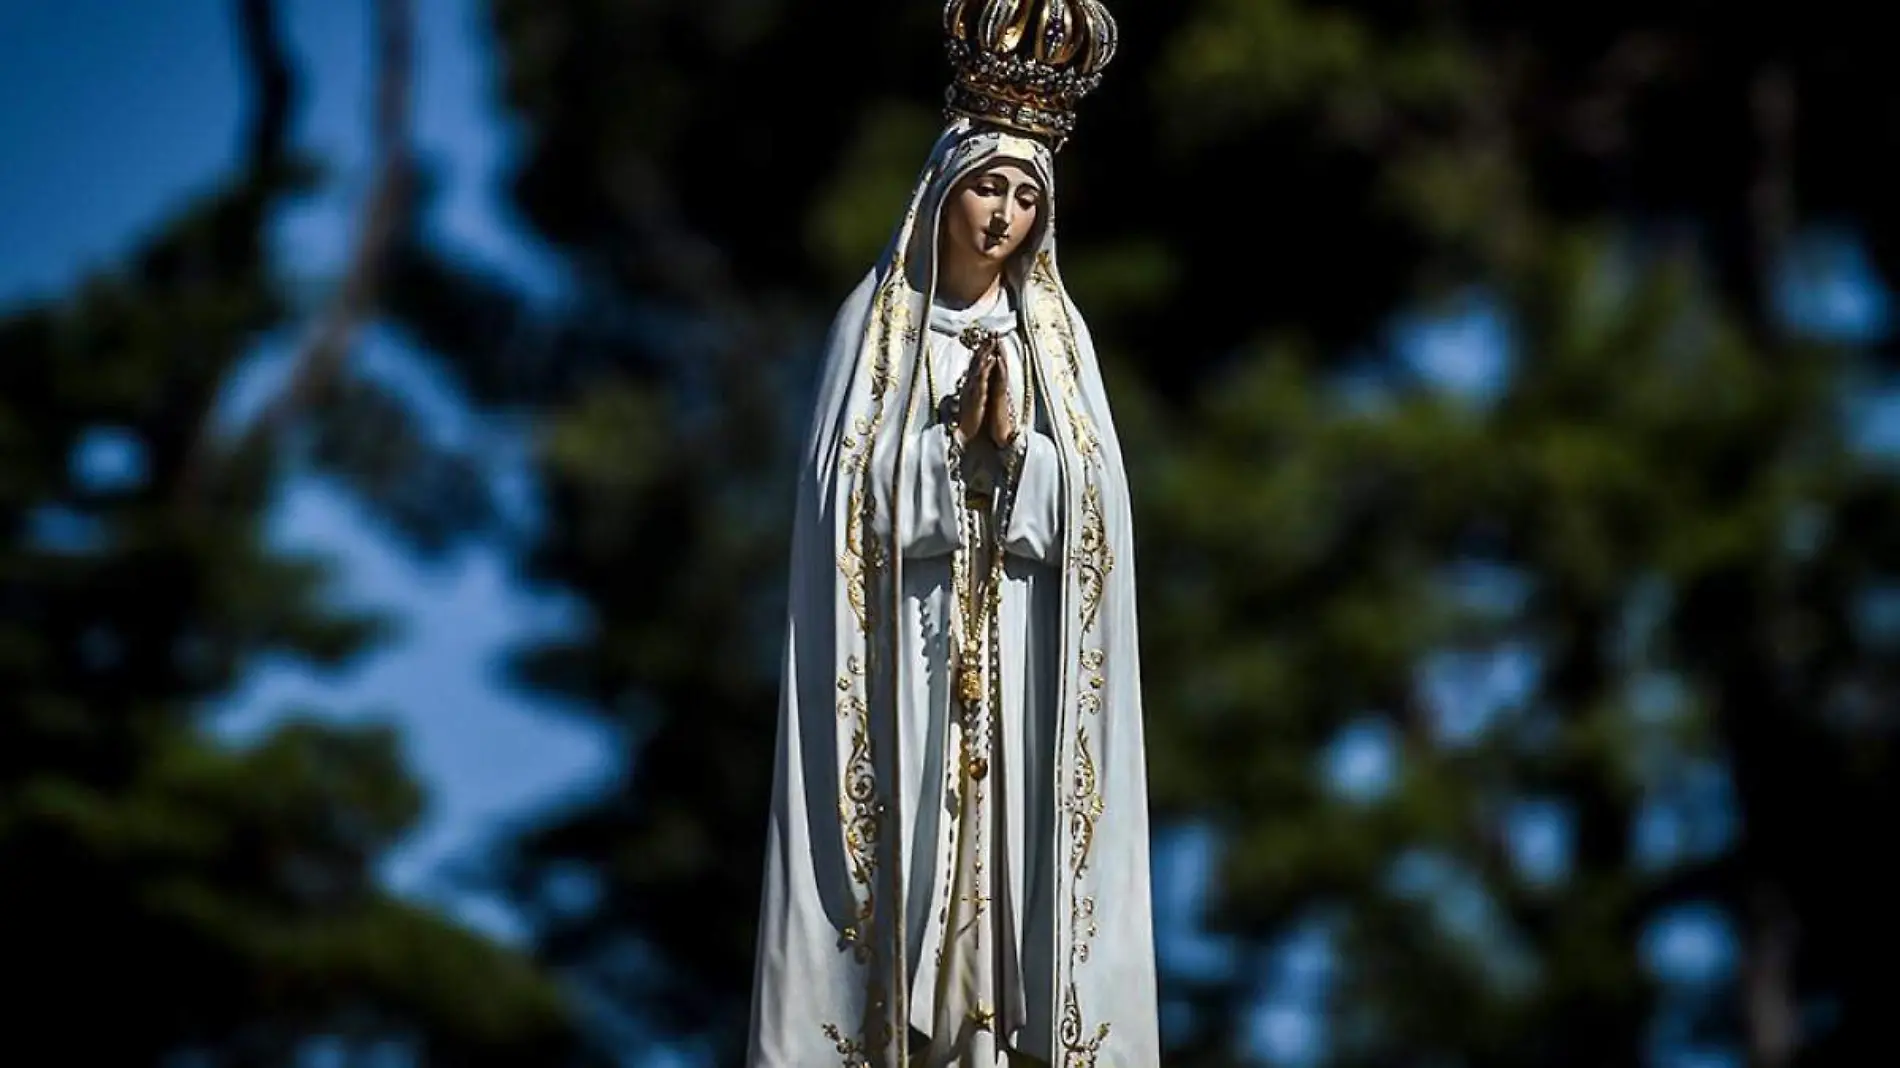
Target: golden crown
[1026,64]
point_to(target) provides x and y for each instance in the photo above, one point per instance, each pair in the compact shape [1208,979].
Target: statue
[957,861]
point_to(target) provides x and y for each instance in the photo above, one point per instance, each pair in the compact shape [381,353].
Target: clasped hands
[984,404]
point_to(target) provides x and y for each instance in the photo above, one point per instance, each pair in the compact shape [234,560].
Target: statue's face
[991,212]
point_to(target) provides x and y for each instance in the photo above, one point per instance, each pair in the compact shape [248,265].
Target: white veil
[836,957]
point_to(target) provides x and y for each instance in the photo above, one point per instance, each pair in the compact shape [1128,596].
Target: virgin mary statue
[957,858]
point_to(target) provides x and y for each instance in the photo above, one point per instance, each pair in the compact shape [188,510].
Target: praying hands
[985,401]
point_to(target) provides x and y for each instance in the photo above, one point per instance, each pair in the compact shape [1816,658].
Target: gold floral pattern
[858,559]
[856,1053]
[859,809]
[1083,806]
[1080,1049]
[1069,368]
[861,805]
[1093,561]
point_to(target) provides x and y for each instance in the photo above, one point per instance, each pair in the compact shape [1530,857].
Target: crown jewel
[1026,64]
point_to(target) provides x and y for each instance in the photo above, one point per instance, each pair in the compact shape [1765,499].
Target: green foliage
[847,227]
[1654,509]
[169,898]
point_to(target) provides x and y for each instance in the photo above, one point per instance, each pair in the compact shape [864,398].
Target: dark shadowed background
[396,405]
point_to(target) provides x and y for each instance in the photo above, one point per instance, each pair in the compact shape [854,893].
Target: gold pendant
[969,684]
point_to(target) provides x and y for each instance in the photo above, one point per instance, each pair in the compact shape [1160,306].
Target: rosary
[977,603]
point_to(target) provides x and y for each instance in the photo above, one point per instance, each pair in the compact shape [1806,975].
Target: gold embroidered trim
[858,560]
[1069,368]
[856,1053]
[1093,560]
[1079,1045]
[1084,805]
[1079,1048]
[860,808]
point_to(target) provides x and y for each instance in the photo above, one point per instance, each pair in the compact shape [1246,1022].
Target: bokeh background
[396,404]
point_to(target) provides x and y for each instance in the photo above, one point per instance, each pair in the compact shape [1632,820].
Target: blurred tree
[1650,507]
[169,899]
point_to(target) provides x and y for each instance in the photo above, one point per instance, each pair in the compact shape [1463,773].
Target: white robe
[863,874]
[980,951]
